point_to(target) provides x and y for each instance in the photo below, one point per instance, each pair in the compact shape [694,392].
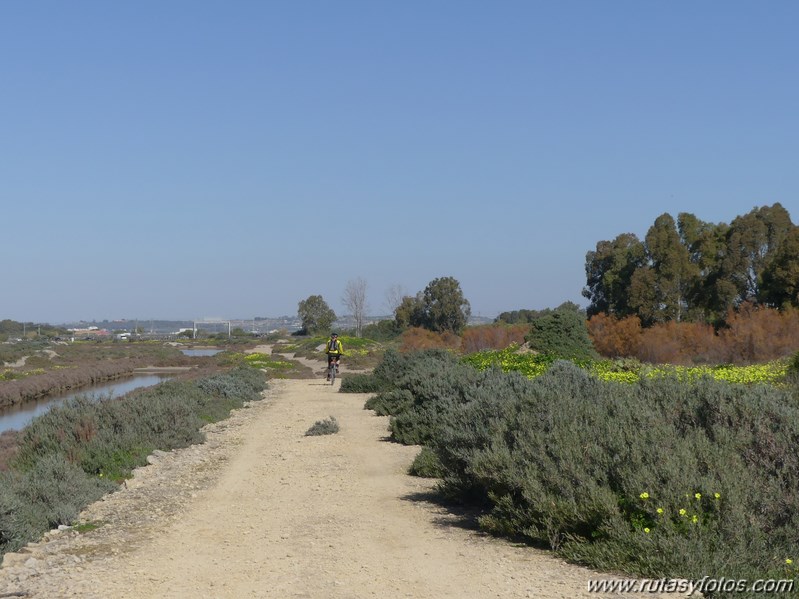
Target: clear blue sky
[183,159]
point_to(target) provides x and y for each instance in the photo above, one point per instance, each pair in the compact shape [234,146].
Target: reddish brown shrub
[757,334]
[680,343]
[613,337]
[417,338]
[753,334]
[492,336]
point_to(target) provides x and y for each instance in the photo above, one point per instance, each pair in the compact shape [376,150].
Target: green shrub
[362,383]
[384,330]
[426,465]
[601,471]
[390,402]
[385,375]
[562,333]
[51,493]
[659,478]
[328,426]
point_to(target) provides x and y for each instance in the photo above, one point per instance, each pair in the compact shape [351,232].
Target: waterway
[201,352]
[18,416]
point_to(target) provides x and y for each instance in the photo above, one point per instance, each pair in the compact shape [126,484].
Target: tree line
[696,271]
[440,307]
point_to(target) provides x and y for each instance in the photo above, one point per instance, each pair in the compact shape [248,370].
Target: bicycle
[332,371]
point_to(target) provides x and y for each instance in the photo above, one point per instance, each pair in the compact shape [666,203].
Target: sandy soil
[261,510]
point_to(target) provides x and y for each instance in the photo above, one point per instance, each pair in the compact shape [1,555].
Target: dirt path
[261,510]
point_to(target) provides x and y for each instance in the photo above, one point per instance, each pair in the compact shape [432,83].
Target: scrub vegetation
[665,476]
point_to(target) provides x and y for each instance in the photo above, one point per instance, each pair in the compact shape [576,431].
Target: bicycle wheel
[332,372]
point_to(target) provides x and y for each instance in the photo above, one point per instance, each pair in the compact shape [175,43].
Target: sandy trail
[278,514]
[331,516]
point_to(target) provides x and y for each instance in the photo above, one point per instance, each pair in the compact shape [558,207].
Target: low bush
[328,426]
[390,402]
[426,465]
[362,383]
[51,493]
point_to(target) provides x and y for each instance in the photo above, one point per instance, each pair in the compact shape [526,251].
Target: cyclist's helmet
[334,334]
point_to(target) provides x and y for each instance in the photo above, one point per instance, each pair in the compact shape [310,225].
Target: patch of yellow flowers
[533,365]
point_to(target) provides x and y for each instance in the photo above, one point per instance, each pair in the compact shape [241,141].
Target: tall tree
[780,280]
[409,312]
[710,295]
[752,242]
[609,271]
[316,316]
[440,307]
[355,301]
[674,273]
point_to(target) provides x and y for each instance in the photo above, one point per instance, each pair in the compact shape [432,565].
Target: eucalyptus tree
[752,242]
[780,280]
[609,270]
[673,272]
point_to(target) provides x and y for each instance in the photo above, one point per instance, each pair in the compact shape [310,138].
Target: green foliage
[328,426]
[363,383]
[51,493]
[382,378]
[444,308]
[692,270]
[562,333]
[440,308]
[780,280]
[384,330]
[528,316]
[315,314]
[390,402]
[426,465]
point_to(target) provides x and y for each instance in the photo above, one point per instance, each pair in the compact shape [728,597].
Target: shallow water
[18,416]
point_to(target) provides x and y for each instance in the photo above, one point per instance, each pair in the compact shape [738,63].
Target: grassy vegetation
[664,477]
[359,352]
[276,366]
[75,453]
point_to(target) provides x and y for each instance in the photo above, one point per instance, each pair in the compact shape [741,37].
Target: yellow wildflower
[644,495]
[682,512]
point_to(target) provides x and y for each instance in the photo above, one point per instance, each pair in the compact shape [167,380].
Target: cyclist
[334,351]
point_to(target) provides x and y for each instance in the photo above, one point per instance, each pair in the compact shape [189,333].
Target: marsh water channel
[18,416]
